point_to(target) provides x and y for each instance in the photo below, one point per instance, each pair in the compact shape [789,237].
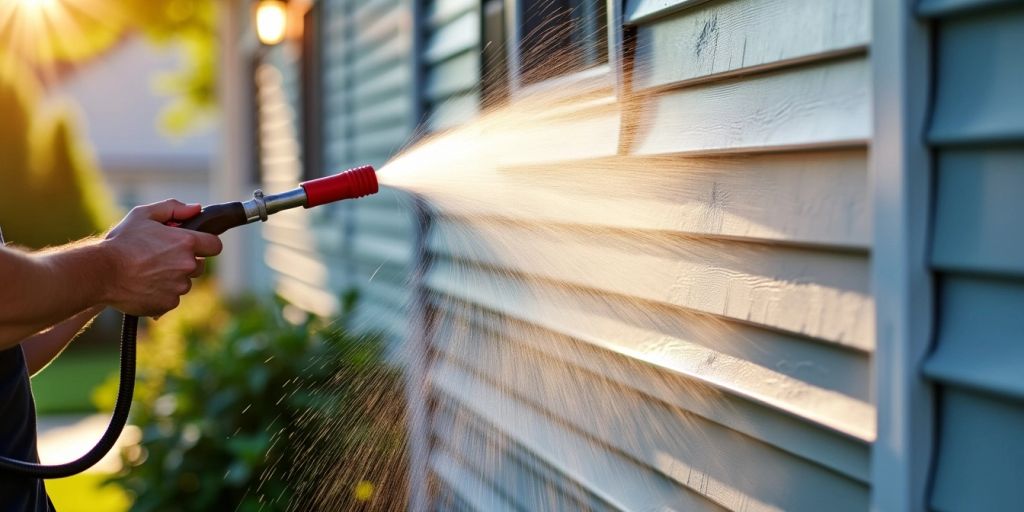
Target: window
[558,37]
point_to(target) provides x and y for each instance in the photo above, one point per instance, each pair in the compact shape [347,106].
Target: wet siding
[714,355]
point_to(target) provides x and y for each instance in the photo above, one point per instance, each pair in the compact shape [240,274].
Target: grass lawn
[66,385]
[85,493]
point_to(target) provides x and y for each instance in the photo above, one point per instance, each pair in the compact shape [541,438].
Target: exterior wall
[451,60]
[369,115]
[364,245]
[638,381]
[731,360]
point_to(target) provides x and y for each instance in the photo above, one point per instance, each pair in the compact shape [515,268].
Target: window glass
[494,75]
[558,37]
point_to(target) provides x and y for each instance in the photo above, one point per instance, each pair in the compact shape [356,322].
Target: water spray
[214,219]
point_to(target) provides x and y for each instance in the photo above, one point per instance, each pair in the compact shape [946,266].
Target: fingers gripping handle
[217,218]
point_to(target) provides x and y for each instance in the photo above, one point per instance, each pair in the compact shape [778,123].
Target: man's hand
[154,263]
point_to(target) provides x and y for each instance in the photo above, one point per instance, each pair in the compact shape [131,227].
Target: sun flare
[39,4]
[46,33]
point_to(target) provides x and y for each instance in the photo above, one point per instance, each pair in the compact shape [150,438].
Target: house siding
[367,115]
[546,387]
[714,347]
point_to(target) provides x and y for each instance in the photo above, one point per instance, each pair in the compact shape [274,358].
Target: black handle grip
[217,218]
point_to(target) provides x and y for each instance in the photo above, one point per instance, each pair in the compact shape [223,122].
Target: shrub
[264,414]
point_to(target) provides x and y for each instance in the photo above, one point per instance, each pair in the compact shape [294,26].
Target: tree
[52,191]
[50,187]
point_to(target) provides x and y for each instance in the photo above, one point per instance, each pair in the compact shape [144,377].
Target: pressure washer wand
[215,219]
[351,184]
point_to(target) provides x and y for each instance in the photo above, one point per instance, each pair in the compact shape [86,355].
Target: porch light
[271,21]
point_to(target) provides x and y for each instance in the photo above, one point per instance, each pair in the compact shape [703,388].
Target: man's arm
[41,290]
[141,268]
[44,347]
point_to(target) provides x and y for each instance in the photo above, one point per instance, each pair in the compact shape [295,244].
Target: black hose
[117,421]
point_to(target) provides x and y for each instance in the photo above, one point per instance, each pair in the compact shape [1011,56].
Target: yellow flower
[364,490]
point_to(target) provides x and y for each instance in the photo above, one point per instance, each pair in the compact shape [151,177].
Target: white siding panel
[453,76]
[527,482]
[653,375]
[703,348]
[799,198]
[468,485]
[822,295]
[723,37]
[822,105]
[730,469]
[617,479]
[453,37]
[679,293]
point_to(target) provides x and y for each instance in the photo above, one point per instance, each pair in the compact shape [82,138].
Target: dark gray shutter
[977,131]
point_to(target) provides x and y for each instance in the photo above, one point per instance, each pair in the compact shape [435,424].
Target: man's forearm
[39,290]
[40,349]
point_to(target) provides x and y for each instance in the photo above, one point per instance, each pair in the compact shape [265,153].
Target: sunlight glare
[40,5]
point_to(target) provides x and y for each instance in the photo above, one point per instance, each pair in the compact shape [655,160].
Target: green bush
[266,414]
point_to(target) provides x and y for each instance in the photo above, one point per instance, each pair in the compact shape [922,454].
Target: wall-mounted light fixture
[271,21]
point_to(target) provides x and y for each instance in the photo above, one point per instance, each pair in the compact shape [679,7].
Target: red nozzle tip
[353,183]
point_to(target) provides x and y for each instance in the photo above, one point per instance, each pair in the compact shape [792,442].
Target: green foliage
[52,191]
[264,414]
[193,23]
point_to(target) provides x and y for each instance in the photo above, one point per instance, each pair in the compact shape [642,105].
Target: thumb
[170,210]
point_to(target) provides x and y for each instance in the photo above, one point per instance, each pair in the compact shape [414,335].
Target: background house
[141,165]
[853,301]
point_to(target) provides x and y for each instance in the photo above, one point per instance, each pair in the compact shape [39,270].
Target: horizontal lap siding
[688,325]
[977,131]
[370,86]
[451,60]
[291,249]
[367,117]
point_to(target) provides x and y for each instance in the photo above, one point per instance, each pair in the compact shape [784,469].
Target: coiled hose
[129,329]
